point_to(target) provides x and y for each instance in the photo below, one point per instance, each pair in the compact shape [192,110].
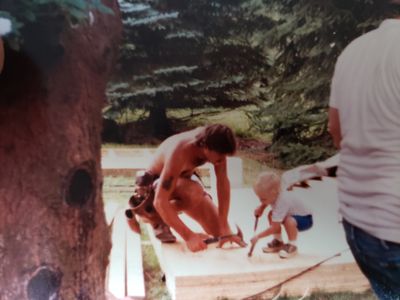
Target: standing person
[364,121]
[175,189]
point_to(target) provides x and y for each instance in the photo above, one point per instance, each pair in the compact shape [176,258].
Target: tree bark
[1,55]
[54,241]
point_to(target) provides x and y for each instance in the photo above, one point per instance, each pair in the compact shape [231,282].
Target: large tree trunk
[54,241]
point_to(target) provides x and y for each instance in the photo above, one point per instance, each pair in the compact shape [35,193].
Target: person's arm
[274,228]
[259,210]
[223,193]
[334,126]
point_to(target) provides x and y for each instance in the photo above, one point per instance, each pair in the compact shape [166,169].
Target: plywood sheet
[230,273]
[125,279]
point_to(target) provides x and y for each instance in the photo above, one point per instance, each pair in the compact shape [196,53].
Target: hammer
[253,245]
[223,237]
[251,249]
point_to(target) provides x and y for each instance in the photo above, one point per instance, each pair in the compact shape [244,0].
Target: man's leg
[141,204]
[378,260]
[191,198]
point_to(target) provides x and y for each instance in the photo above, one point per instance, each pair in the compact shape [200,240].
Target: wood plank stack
[125,278]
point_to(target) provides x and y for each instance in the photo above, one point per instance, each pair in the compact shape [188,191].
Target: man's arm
[224,194]
[334,126]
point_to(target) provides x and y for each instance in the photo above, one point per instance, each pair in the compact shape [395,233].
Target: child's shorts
[303,222]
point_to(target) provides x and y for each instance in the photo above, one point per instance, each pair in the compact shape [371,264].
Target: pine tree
[302,46]
[180,54]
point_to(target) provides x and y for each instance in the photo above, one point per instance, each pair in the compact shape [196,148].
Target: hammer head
[239,232]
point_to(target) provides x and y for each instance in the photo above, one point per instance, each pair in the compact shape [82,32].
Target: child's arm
[259,210]
[274,228]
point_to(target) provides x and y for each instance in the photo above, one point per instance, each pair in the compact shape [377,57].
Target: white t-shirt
[288,204]
[366,91]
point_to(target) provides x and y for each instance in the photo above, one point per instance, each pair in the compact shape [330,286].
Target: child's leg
[289,249]
[290,225]
[277,235]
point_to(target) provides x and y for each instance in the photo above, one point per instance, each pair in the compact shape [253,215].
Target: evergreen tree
[302,46]
[180,54]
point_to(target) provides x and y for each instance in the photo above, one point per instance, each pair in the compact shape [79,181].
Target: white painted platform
[232,274]
[125,278]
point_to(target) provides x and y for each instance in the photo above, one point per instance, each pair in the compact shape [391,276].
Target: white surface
[116,272]
[125,273]
[215,272]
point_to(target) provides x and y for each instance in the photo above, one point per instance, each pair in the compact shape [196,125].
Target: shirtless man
[176,191]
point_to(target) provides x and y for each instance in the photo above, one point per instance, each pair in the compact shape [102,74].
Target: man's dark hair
[218,138]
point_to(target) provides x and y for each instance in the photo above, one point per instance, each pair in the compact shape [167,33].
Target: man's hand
[254,239]
[232,238]
[196,243]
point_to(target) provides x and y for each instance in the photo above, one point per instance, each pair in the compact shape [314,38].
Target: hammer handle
[212,240]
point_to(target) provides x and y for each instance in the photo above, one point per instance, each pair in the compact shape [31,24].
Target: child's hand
[258,211]
[254,240]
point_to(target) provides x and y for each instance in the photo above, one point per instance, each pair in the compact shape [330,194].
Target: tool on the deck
[251,249]
[224,237]
[256,223]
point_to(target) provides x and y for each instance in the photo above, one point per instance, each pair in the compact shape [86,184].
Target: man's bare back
[178,145]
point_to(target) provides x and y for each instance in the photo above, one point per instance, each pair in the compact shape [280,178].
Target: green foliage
[180,54]
[303,45]
[294,154]
[26,13]
[279,54]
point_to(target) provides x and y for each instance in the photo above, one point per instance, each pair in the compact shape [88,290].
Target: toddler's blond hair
[265,181]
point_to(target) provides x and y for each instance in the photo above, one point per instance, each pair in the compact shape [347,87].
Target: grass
[154,277]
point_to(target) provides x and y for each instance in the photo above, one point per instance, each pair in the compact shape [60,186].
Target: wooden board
[125,278]
[230,273]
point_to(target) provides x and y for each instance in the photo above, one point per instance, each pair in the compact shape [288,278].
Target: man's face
[214,157]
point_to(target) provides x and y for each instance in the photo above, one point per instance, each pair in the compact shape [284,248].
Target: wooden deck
[217,273]
[125,278]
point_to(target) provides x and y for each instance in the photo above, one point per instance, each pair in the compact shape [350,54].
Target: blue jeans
[379,260]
